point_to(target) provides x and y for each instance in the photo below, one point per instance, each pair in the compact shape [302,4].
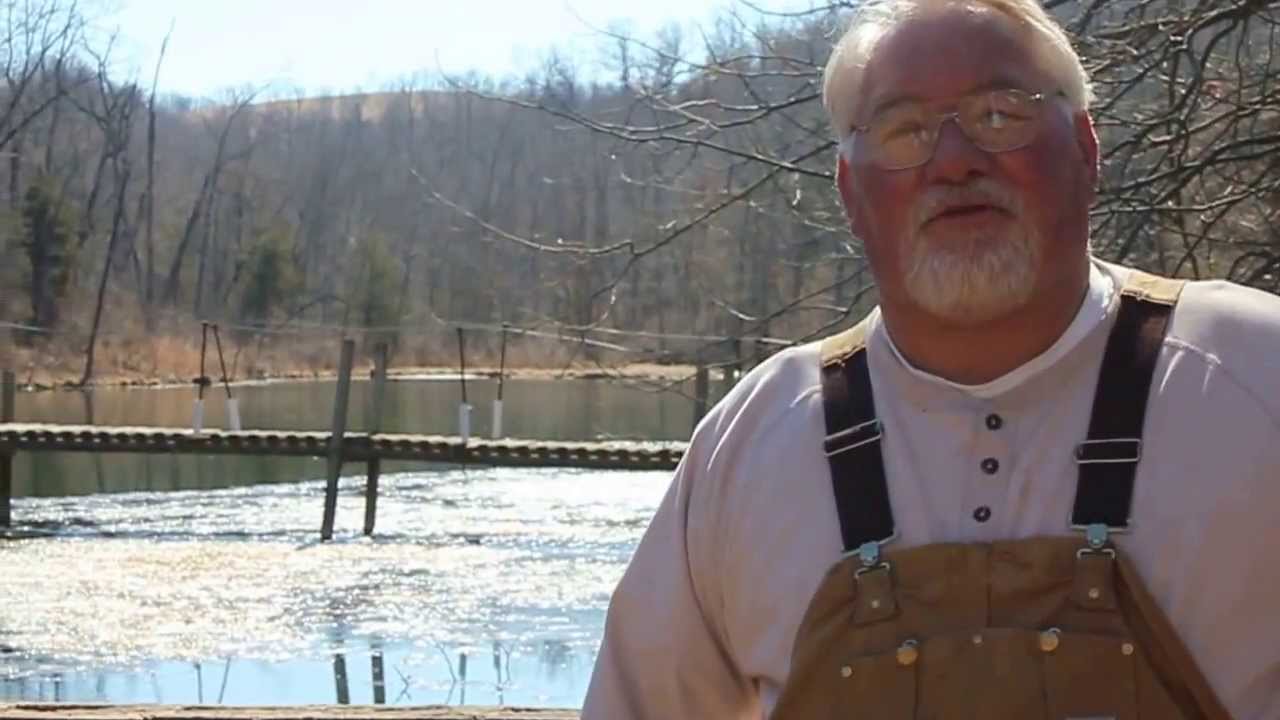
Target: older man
[1060,499]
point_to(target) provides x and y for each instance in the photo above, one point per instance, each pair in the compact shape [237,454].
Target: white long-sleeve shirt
[702,623]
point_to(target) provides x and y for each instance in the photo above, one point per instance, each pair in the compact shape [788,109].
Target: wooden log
[8,386]
[341,398]
[375,426]
[68,711]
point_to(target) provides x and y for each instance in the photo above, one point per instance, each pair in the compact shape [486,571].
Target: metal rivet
[1127,648]
[846,671]
[875,604]
[1049,640]
[907,653]
[1094,593]
[977,639]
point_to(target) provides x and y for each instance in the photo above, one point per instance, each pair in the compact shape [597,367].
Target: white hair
[873,19]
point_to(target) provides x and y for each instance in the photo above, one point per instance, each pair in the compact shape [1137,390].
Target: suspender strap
[852,444]
[1108,458]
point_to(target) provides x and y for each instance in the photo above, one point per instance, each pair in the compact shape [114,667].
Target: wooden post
[375,427]
[464,409]
[701,388]
[761,348]
[379,679]
[733,369]
[340,679]
[335,440]
[7,413]
[502,371]
[462,673]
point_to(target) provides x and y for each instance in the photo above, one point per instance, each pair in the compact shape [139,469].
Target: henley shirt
[702,623]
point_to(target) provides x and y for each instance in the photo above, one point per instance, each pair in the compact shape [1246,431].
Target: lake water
[180,579]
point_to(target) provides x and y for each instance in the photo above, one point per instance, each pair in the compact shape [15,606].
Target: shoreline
[650,372]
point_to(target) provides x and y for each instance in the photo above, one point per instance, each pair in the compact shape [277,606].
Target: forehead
[948,52]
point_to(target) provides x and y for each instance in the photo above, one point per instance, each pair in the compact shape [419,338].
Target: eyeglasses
[904,135]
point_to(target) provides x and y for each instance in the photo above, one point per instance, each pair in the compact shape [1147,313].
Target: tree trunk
[116,222]
[174,279]
[51,141]
[87,223]
[15,173]
[41,290]
[210,226]
[148,291]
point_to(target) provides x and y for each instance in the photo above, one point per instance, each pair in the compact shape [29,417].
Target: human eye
[1003,110]
[995,118]
[900,124]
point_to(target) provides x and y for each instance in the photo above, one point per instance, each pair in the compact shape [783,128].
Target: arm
[663,656]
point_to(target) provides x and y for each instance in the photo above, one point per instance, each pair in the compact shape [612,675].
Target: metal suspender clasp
[1109,450]
[853,437]
[869,554]
[1096,538]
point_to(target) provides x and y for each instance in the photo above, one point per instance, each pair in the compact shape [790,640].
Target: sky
[335,46]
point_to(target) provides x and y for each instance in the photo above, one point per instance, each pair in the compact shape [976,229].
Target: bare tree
[113,112]
[148,195]
[40,37]
[208,187]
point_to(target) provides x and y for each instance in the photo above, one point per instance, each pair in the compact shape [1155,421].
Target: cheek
[1051,176]
[885,202]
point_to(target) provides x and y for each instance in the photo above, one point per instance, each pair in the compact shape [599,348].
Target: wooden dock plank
[356,447]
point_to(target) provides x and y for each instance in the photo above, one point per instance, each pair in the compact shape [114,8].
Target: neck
[977,354]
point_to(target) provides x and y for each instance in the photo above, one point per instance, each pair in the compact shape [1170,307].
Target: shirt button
[982,514]
[994,422]
[990,466]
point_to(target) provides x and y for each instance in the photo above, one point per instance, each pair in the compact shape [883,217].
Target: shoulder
[764,397]
[1234,331]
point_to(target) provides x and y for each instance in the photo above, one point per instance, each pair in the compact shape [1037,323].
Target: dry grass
[133,357]
[128,354]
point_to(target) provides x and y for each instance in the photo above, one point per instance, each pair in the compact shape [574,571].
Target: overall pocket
[879,687]
[994,674]
[1091,677]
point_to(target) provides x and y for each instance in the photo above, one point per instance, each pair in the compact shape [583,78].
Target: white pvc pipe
[197,417]
[497,419]
[233,413]
[464,421]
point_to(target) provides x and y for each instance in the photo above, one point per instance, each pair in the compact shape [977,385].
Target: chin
[973,282]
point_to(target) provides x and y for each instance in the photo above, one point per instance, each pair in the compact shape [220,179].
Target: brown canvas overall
[1051,628]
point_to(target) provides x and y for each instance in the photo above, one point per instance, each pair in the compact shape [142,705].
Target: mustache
[983,191]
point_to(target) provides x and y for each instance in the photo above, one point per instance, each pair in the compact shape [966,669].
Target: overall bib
[1047,628]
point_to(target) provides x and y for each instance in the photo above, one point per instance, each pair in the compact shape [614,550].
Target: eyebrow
[998,83]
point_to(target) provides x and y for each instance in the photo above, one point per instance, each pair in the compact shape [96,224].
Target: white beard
[972,280]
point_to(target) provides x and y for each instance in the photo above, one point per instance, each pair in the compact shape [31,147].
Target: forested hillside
[678,191]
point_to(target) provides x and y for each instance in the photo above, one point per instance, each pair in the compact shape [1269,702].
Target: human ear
[844,183]
[1087,141]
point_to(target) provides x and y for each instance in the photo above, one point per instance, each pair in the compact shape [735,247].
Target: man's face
[969,236]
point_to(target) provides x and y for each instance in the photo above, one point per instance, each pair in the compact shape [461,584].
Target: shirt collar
[1083,340]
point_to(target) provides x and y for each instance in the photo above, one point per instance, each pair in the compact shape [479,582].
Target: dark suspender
[1107,459]
[853,449]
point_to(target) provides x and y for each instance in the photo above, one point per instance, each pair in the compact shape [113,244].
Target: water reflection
[487,584]
[180,579]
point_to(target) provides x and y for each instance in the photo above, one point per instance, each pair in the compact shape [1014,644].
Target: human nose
[955,156]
